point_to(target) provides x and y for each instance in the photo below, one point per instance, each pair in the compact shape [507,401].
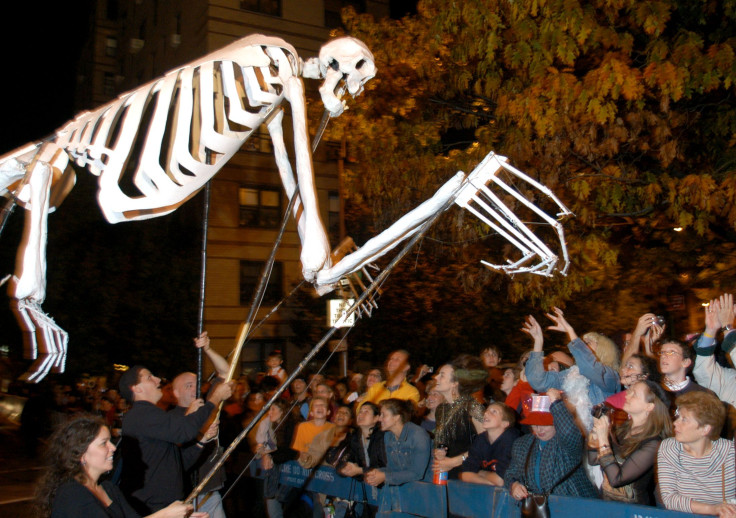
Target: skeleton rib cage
[209,109]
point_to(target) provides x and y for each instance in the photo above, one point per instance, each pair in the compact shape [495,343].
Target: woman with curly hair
[627,455]
[460,417]
[80,452]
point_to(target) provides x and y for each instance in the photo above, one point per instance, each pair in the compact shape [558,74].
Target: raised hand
[533,329]
[712,321]
[560,324]
[726,311]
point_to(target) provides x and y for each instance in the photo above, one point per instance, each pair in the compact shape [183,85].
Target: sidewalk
[18,475]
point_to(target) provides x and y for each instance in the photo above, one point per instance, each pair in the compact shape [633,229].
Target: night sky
[40,47]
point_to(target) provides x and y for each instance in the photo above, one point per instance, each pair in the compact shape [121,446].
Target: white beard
[576,389]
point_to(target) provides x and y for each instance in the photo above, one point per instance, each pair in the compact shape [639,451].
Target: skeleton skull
[346,58]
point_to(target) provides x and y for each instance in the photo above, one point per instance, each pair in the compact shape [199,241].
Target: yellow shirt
[379,392]
[306,432]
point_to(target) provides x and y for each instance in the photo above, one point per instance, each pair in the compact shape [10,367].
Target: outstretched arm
[707,371]
[644,323]
[603,376]
[538,378]
[220,363]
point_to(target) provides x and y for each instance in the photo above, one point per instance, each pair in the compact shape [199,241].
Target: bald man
[199,457]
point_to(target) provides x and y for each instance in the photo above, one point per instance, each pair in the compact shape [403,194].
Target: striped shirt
[683,478]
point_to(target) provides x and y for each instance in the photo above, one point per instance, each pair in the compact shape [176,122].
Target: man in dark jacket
[153,475]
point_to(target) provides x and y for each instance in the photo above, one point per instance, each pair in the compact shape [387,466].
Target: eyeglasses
[668,353]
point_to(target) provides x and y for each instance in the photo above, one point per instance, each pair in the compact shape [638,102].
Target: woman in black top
[627,455]
[460,418]
[366,449]
[80,452]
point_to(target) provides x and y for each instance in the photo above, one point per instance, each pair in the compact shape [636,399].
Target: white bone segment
[482,202]
[402,229]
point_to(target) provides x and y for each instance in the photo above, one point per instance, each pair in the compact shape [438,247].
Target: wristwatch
[464,456]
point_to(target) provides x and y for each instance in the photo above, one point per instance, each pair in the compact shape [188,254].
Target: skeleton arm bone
[402,229]
[276,130]
[315,245]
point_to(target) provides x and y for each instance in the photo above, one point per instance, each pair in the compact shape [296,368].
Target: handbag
[535,506]
[359,508]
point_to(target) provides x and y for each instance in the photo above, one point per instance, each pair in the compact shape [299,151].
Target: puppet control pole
[242,336]
[245,327]
[263,279]
[305,361]
[203,271]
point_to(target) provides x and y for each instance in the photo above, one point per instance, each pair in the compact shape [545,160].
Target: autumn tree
[624,108]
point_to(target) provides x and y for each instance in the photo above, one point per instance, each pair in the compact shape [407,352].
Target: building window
[272,7]
[111,46]
[259,207]
[250,272]
[259,141]
[108,86]
[333,215]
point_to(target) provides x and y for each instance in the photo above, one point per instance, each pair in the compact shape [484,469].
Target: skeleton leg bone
[44,340]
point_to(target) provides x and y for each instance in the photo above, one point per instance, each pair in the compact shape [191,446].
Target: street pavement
[18,474]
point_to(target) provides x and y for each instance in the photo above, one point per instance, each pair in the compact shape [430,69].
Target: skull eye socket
[334,65]
[360,64]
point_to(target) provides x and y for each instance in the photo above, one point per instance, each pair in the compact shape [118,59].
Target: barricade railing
[460,499]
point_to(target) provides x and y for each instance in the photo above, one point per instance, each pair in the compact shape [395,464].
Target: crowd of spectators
[648,421]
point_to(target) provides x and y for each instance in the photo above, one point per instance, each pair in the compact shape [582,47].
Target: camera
[660,320]
[600,410]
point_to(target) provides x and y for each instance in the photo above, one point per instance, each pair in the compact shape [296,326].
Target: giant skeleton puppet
[187,125]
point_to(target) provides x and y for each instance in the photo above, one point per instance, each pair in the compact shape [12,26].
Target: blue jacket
[604,380]
[408,460]
[558,467]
